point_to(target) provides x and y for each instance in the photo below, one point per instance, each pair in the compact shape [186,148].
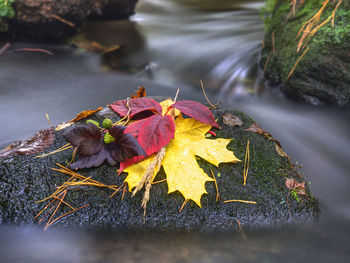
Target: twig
[4,48]
[63,20]
[40,50]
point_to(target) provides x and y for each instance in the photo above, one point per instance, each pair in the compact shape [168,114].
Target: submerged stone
[24,180]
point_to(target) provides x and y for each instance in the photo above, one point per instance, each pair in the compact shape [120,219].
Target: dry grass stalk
[148,177]
[48,120]
[246,164]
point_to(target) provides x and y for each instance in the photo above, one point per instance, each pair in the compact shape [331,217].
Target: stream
[171,44]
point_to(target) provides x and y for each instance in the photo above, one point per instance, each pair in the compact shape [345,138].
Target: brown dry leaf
[141,92]
[36,144]
[84,114]
[231,120]
[257,129]
[93,46]
[63,125]
[80,116]
[292,184]
[279,149]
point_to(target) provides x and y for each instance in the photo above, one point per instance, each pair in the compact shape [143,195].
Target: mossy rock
[24,180]
[53,20]
[323,74]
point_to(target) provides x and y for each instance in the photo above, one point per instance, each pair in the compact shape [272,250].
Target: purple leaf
[87,138]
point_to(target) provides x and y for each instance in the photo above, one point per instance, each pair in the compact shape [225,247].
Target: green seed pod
[107,123]
[93,122]
[108,138]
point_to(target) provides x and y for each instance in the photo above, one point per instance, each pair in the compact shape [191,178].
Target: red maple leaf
[197,111]
[136,105]
[156,131]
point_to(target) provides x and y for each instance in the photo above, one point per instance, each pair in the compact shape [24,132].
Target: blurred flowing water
[172,44]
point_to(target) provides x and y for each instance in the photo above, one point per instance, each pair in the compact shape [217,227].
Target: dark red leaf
[87,138]
[156,132]
[125,145]
[197,111]
[93,160]
[93,151]
[136,105]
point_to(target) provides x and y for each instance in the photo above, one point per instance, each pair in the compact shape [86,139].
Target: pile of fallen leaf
[151,135]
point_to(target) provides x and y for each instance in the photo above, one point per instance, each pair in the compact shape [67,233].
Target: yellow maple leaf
[183,173]
[165,104]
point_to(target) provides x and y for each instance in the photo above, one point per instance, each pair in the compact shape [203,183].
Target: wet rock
[26,179]
[323,74]
[116,9]
[54,20]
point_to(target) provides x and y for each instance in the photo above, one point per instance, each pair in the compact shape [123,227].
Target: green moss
[310,71]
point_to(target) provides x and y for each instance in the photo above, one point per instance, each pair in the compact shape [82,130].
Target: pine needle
[124,190]
[246,164]
[64,215]
[160,181]
[266,63]
[302,55]
[63,148]
[216,187]
[59,204]
[73,156]
[240,201]
[183,205]
[116,191]
[212,106]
